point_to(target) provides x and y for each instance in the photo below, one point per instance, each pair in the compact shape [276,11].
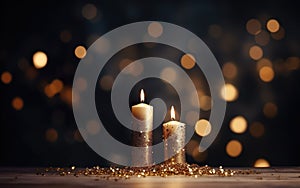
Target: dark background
[43,132]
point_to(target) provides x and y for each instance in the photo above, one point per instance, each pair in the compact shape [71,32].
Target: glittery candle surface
[174,141]
[142,135]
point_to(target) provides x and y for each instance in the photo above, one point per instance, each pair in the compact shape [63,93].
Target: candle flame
[172,113]
[142,96]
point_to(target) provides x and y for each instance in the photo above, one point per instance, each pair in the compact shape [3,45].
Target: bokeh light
[238,124]
[229,92]
[203,127]
[48,91]
[17,103]
[65,36]
[256,52]
[191,146]
[188,61]
[169,74]
[262,38]
[123,63]
[89,11]
[106,82]
[270,110]
[261,163]
[57,85]
[215,31]
[205,102]
[190,116]
[253,26]
[279,34]
[81,84]
[234,148]
[155,29]
[266,74]
[91,39]
[77,136]
[51,135]
[66,95]
[293,63]
[6,77]
[199,156]
[135,70]
[229,70]
[273,25]
[53,88]
[92,127]
[80,52]
[195,101]
[39,59]
[262,63]
[257,129]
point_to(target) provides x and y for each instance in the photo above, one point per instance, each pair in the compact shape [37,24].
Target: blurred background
[256,43]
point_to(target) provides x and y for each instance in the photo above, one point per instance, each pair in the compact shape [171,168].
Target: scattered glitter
[161,170]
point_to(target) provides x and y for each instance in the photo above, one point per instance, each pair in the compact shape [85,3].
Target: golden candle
[142,133]
[174,139]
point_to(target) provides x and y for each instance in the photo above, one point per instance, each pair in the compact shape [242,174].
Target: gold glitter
[169,168]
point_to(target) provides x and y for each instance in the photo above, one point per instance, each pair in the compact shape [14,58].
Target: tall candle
[174,139]
[142,133]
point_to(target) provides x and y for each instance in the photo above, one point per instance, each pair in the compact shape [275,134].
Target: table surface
[264,177]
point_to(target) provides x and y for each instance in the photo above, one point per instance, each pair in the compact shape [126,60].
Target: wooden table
[265,177]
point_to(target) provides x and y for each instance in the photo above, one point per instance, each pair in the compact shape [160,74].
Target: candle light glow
[142,96]
[172,113]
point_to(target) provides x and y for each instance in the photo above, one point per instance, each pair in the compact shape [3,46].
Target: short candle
[174,139]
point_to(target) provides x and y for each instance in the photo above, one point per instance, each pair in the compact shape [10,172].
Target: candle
[142,133]
[174,139]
